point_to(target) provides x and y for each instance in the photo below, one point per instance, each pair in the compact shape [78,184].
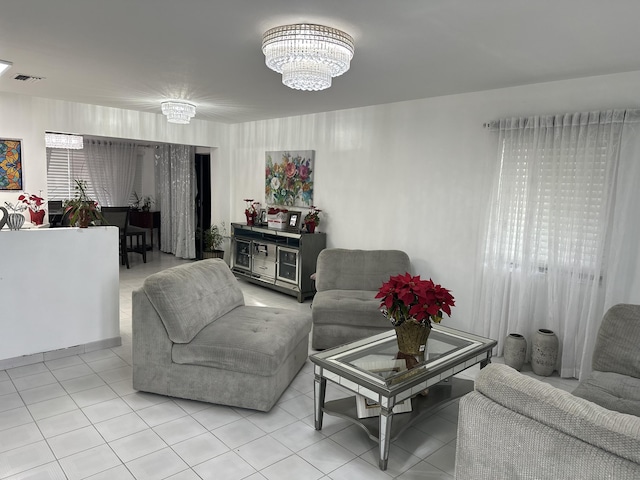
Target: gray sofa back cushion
[189,297]
[618,342]
[614,432]
[342,269]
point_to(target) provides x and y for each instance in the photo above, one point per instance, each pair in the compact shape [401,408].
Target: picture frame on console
[262,217]
[293,221]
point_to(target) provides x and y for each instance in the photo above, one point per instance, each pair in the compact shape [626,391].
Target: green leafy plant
[143,203]
[212,237]
[313,216]
[81,209]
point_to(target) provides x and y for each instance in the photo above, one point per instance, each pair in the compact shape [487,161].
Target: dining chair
[119,217]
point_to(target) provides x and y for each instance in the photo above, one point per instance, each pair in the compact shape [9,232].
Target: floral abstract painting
[289,178]
[11,165]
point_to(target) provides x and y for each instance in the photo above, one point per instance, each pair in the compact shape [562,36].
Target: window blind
[64,166]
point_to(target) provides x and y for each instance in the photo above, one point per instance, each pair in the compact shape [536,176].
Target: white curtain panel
[112,169]
[175,196]
[559,222]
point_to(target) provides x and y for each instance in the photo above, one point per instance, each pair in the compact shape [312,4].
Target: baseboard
[63,352]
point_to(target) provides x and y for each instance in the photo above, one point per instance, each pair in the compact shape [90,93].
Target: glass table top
[376,359]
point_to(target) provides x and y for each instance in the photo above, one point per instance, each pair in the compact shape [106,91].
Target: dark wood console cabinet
[277,259]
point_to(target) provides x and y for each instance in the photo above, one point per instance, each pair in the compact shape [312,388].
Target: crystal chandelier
[307,55]
[62,140]
[178,111]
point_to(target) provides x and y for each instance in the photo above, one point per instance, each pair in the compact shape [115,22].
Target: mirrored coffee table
[381,378]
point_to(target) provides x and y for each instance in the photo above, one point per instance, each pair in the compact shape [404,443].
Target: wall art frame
[11,172]
[289,178]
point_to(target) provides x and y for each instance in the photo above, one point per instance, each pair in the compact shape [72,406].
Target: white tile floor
[78,417]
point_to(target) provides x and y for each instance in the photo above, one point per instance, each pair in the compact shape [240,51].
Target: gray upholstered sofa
[614,382]
[193,337]
[344,308]
[515,427]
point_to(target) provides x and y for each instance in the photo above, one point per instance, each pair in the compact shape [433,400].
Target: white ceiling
[133,54]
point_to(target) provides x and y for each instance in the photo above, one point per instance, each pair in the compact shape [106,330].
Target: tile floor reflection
[78,417]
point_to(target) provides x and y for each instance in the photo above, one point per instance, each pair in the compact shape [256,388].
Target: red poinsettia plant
[34,202]
[405,297]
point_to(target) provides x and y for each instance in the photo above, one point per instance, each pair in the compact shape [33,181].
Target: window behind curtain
[546,257]
[64,166]
[551,190]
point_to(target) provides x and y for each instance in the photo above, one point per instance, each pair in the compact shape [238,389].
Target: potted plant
[147,201]
[212,239]
[411,304]
[312,219]
[82,210]
[143,203]
[35,205]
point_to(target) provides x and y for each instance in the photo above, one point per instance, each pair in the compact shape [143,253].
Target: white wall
[27,118]
[411,175]
[416,175]
[59,288]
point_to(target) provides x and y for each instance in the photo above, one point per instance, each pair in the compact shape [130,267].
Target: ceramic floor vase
[515,350]
[15,221]
[544,352]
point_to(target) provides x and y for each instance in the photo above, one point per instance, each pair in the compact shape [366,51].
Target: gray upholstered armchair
[194,337]
[344,308]
[615,380]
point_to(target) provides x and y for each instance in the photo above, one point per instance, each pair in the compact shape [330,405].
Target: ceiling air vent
[27,78]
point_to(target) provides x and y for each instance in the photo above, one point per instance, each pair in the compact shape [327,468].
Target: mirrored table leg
[319,389]
[386,415]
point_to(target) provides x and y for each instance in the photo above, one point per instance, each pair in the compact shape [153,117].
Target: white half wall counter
[59,288]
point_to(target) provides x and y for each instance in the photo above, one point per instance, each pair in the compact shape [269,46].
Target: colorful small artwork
[289,178]
[11,165]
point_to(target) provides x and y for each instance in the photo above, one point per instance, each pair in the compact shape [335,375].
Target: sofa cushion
[613,391]
[342,269]
[191,296]
[348,307]
[614,432]
[248,339]
[616,348]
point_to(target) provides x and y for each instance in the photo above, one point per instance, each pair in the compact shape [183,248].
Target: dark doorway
[203,198]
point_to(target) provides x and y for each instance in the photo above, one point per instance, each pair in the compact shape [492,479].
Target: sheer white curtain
[175,196]
[550,238]
[112,169]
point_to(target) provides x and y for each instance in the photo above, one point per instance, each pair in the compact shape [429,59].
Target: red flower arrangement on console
[35,204]
[410,298]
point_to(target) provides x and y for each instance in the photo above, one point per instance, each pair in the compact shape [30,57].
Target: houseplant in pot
[35,205]
[212,241]
[312,219]
[81,209]
[411,304]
